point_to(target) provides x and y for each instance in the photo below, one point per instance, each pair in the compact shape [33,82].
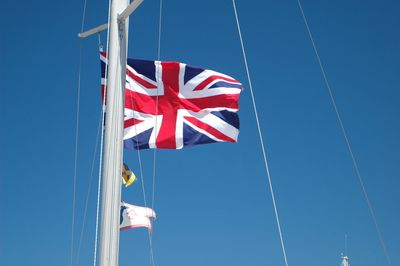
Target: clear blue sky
[212,201]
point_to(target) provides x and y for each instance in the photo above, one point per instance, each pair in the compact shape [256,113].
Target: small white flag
[132,216]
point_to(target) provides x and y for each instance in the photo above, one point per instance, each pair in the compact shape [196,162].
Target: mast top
[345,261]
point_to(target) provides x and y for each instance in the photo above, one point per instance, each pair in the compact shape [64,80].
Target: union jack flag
[170,105]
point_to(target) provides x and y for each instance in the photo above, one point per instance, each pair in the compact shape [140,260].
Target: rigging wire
[89,189]
[260,137]
[360,179]
[77,137]
[159,31]
[156,127]
[76,157]
[152,262]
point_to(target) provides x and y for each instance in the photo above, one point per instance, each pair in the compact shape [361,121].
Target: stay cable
[261,138]
[354,161]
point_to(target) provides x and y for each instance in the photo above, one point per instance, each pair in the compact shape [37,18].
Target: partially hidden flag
[128,177]
[171,105]
[132,216]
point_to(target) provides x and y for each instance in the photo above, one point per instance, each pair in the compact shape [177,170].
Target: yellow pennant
[128,177]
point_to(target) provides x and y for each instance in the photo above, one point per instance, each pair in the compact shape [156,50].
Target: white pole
[113,138]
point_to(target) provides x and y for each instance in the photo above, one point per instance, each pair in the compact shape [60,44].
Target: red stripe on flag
[170,74]
[222,100]
[103,95]
[139,80]
[132,122]
[209,129]
[210,79]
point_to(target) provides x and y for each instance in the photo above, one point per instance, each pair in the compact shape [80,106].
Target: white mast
[113,137]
